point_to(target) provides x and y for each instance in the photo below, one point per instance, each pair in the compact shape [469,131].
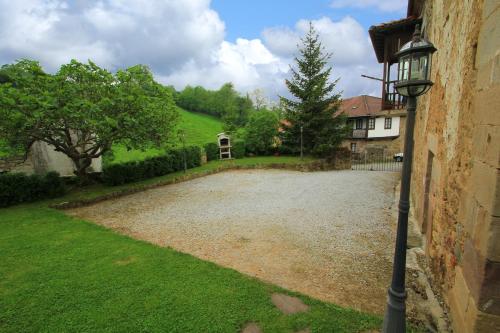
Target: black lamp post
[413,80]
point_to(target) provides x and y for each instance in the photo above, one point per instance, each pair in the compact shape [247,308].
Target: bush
[261,132]
[212,150]
[121,173]
[16,188]
[238,149]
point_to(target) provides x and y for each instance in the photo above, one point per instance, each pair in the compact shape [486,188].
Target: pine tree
[316,104]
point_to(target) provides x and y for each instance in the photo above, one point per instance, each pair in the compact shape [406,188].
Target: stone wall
[455,181]
[43,158]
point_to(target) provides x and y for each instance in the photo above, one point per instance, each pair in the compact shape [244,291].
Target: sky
[250,43]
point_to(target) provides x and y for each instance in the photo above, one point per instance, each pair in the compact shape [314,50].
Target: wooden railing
[393,100]
[359,133]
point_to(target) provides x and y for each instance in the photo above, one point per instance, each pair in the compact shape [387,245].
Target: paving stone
[288,304]
[251,328]
[305,330]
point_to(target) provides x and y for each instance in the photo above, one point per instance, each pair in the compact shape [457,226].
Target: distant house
[374,129]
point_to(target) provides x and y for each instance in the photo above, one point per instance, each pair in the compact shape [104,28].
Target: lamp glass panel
[404,65]
[419,66]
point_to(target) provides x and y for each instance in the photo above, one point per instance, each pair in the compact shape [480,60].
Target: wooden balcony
[359,133]
[391,99]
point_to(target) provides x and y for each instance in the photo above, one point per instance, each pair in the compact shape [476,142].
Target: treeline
[225,103]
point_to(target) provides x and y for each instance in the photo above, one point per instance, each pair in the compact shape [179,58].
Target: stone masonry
[455,181]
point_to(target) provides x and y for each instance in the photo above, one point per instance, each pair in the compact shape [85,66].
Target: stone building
[455,182]
[376,128]
[43,158]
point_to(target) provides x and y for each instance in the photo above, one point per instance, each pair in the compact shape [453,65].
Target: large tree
[316,104]
[82,110]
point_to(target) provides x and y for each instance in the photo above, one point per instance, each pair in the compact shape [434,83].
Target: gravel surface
[325,234]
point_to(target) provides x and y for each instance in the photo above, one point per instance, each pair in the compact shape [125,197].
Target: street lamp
[413,80]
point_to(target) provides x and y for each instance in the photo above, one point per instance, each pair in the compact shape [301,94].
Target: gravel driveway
[325,234]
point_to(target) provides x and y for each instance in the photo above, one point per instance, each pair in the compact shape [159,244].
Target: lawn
[62,274]
[199,129]
[58,274]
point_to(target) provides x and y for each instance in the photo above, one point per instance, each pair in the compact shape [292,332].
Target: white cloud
[182,41]
[114,33]
[281,40]
[346,40]
[248,64]
[382,5]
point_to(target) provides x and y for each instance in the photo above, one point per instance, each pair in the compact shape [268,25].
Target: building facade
[43,158]
[374,130]
[455,186]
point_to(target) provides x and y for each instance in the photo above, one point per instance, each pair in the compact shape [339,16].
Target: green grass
[199,129]
[63,274]
[59,273]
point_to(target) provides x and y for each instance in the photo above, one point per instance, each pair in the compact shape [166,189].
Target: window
[388,123]
[359,123]
[371,123]
[353,147]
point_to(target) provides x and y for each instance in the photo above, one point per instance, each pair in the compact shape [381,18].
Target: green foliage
[173,160]
[199,128]
[212,150]
[16,188]
[238,149]
[225,103]
[315,105]
[83,110]
[261,132]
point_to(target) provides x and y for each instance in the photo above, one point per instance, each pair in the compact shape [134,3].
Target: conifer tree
[316,103]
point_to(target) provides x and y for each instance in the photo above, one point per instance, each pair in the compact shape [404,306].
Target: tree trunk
[81,165]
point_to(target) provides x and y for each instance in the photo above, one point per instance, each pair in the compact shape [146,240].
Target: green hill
[198,128]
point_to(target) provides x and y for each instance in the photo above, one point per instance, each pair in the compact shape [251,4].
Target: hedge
[17,188]
[238,149]
[121,173]
[212,150]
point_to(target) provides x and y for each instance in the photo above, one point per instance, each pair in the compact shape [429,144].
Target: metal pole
[183,135]
[301,142]
[395,313]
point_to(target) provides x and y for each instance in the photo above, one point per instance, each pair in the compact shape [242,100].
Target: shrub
[16,188]
[238,149]
[212,150]
[261,132]
[121,173]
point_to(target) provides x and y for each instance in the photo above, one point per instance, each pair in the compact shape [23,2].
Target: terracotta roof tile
[361,106]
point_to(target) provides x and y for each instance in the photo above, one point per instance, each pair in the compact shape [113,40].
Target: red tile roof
[361,106]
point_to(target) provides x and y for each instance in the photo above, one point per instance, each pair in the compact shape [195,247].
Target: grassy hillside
[198,128]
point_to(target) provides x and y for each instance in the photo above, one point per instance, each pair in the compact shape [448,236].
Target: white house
[373,128]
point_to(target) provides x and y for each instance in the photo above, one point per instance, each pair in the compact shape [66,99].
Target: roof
[361,106]
[379,32]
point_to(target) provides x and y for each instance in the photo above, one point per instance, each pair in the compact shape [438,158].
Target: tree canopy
[316,103]
[82,110]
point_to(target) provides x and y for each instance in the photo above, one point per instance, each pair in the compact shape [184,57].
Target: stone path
[325,234]
[287,305]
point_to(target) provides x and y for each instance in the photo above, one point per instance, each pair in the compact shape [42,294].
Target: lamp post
[413,80]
